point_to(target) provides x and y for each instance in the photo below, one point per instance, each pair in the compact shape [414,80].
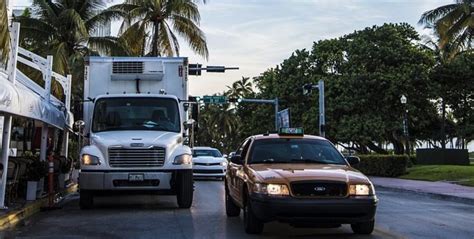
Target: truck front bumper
[120,180]
[296,210]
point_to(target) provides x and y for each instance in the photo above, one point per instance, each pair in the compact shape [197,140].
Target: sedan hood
[287,173]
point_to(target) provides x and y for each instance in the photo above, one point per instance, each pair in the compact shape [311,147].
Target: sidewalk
[439,189]
[12,217]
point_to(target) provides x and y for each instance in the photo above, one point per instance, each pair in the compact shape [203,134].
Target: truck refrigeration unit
[136,121]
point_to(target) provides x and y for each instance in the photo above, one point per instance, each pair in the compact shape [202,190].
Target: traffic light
[194,69]
[218,69]
[307,88]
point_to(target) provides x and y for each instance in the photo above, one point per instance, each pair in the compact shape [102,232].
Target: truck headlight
[224,163]
[271,189]
[183,159]
[90,159]
[360,190]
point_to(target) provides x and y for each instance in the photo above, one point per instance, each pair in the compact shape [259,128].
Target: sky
[259,34]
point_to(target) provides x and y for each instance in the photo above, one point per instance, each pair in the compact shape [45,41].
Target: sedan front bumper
[314,210]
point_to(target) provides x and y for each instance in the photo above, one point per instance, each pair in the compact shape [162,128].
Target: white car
[209,162]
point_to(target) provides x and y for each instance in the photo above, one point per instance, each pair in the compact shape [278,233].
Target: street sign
[215,99]
[284,118]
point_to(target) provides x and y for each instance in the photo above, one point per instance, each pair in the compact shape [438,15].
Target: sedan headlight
[271,189]
[183,159]
[361,190]
[90,159]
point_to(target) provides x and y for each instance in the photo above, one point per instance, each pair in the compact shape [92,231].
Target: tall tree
[62,28]
[151,27]
[452,22]
[4,34]
[240,88]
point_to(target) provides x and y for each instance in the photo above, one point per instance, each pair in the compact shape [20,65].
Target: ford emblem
[319,189]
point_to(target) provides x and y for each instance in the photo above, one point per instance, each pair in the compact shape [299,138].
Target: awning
[21,100]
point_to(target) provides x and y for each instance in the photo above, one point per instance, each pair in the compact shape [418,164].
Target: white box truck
[136,120]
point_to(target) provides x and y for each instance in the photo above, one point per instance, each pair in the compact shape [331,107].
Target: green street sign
[217,99]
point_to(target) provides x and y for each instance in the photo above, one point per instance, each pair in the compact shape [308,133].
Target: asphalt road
[400,215]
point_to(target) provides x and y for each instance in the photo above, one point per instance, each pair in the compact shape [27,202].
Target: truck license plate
[135,177]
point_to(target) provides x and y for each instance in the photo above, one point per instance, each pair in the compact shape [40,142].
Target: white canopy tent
[20,96]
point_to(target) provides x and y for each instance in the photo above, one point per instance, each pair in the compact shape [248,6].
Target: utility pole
[307,89]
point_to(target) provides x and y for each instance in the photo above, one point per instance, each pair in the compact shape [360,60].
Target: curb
[12,218]
[451,198]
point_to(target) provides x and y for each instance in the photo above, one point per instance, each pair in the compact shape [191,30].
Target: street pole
[276,114]
[322,120]
[307,89]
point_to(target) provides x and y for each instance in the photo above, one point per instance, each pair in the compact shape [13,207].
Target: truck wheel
[231,209]
[363,228]
[185,188]
[86,199]
[252,224]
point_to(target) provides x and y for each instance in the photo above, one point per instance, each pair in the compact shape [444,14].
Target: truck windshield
[136,114]
[294,151]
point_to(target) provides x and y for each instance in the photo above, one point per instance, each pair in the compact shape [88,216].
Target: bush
[36,170]
[383,165]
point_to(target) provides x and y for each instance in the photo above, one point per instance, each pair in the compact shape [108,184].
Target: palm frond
[187,29]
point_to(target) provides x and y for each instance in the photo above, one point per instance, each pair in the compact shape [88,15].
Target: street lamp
[404,100]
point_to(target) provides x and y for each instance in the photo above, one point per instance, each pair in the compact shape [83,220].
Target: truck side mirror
[224,156]
[189,123]
[353,160]
[78,125]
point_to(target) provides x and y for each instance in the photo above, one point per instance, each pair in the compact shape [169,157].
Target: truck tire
[231,209]
[252,224]
[185,188]
[86,199]
[365,228]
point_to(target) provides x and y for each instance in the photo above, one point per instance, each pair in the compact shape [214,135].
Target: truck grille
[207,164]
[137,158]
[319,189]
[127,67]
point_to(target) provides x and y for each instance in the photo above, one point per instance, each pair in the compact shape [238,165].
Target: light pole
[404,100]
[307,89]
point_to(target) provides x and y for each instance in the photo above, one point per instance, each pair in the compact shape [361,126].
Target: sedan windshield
[136,114]
[294,151]
[207,153]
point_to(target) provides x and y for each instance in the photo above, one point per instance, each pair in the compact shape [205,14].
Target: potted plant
[36,172]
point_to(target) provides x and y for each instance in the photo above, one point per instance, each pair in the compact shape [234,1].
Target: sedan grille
[319,189]
[137,158]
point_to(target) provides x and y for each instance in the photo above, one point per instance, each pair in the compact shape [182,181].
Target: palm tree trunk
[154,47]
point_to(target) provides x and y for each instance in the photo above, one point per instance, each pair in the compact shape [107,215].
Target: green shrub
[383,165]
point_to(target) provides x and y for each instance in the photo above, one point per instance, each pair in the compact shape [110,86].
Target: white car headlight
[271,189]
[183,159]
[90,159]
[224,163]
[360,190]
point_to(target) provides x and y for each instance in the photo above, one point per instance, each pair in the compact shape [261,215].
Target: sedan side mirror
[353,160]
[237,159]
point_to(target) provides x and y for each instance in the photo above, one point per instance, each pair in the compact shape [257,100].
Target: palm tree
[4,34]
[150,27]
[63,29]
[240,88]
[453,23]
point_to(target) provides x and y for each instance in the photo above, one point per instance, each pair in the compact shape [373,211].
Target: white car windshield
[207,153]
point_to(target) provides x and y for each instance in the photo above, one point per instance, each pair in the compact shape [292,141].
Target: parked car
[298,179]
[209,162]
